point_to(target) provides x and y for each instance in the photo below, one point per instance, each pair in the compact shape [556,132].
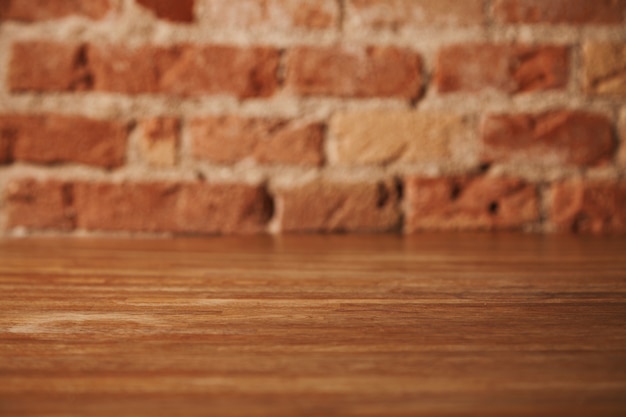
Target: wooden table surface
[442,325]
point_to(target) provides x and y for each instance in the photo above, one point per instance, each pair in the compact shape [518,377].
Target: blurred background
[286,116]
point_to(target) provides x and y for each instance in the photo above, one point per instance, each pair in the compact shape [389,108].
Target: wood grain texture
[443,325]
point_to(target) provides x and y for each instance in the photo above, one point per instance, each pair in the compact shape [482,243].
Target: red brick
[412,14]
[590,207]
[38,10]
[48,66]
[159,141]
[509,68]
[335,207]
[480,203]
[8,135]
[375,71]
[172,207]
[55,138]
[229,139]
[271,14]
[175,11]
[563,137]
[40,204]
[185,70]
[559,11]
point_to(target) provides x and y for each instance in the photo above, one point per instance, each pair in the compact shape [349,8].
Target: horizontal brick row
[359,71]
[446,203]
[324,14]
[191,70]
[358,138]
[138,207]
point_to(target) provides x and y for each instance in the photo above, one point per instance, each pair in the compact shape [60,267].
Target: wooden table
[443,325]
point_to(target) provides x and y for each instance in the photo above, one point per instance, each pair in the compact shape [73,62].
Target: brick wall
[261,116]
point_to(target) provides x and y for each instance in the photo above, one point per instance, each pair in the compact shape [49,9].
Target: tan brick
[194,208]
[175,11]
[38,10]
[385,136]
[605,68]
[412,14]
[159,140]
[509,68]
[272,14]
[466,203]
[53,138]
[589,207]
[562,137]
[38,205]
[48,66]
[229,139]
[334,207]
[559,11]
[375,71]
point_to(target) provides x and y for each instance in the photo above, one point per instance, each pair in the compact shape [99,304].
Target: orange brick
[465,203]
[53,138]
[563,137]
[39,205]
[375,71]
[230,139]
[334,207]
[195,208]
[48,66]
[590,207]
[185,70]
[509,68]
[559,11]
[38,10]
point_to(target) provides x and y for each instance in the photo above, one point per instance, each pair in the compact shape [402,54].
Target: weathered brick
[509,68]
[412,14]
[159,140]
[335,207]
[605,68]
[53,138]
[466,203]
[48,66]
[175,11]
[39,204]
[559,11]
[591,207]
[229,139]
[38,10]
[8,135]
[271,14]
[385,136]
[562,137]
[375,71]
[172,207]
[621,157]
[185,70]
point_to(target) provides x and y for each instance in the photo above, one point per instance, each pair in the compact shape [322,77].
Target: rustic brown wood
[489,325]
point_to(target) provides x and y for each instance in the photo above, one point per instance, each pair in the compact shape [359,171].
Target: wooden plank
[314,325]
